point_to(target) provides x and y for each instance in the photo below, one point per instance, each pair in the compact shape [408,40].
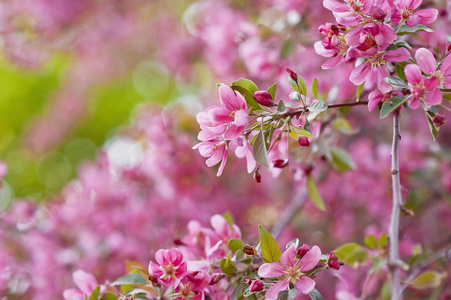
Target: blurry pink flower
[293,270]
[223,230]
[86,284]
[170,268]
[3,169]
[404,10]
[191,286]
[233,112]
[244,149]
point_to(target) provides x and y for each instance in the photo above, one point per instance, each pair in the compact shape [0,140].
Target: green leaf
[287,295]
[270,249]
[403,44]
[314,194]
[227,265]
[341,160]
[352,253]
[288,47]
[342,125]
[281,107]
[396,82]
[295,241]
[259,150]
[300,131]
[298,86]
[272,90]
[433,129]
[428,279]
[308,126]
[235,245]
[95,294]
[317,106]
[229,219]
[315,88]
[247,88]
[404,29]
[130,279]
[399,69]
[371,242]
[315,295]
[391,105]
[359,91]
[86,297]
[108,296]
[383,239]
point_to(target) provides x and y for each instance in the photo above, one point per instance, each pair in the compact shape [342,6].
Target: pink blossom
[293,270]
[233,112]
[375,69]
[216,150]
[368,39]
[244,149]
[404,10]
[86,284]
[421,87]
[170,268]
[348,13]
[376,97]
[427,63]
[191,286]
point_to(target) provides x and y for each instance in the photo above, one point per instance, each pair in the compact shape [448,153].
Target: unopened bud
[256,286]
[292,74]
[257,175]
[250,250]
[154,281]
[215,278]
[280,163]
[333,261]
[302,251]
[307,169]
[439,120]
[377,13]
[264,98]
[178,242]
[303,141]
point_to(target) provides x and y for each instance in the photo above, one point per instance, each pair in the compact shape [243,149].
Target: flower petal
[234,132]
[434,97]
[358,75]
[398,55]
[427,16]
[269,270]
[241,117]
[276,288]
[426,60]
[333,62]
[288,256]
[413,74]
[305,284]
[445,69]
[220,115]
[335,6]
[310,260]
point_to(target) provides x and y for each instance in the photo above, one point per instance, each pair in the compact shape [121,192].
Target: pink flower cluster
[365,31]
[222,128]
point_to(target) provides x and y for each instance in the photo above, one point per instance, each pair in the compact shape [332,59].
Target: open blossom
[375,69]
[404,10]
[349,13]
[191,286]
[170,268]
[421,88]
[428,64]
[216,151]
[86,284]
[291,269]
[233,112]
[370,38]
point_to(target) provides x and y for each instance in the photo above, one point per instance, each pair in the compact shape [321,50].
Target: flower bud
[302,251]
[377,13]
[303,141]
[439,120]
[333,262]
[256,286]
[215,278]
[292,74]
[264,98]
[257,175]
[280,163]
[250,250]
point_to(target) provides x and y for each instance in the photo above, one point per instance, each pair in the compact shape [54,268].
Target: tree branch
[394,258]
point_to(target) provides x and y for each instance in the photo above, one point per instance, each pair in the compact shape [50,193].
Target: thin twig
[394,259]
[417,270]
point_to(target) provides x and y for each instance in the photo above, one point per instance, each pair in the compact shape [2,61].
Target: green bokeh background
[26,94]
